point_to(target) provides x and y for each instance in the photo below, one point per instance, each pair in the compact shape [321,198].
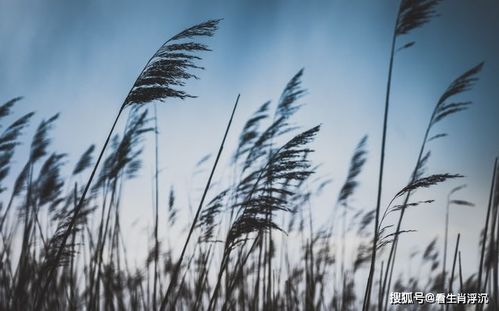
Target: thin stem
[453,268]
[484,240]
[367,296]
[156,202]
[460,273]
[196,216]
[446,235]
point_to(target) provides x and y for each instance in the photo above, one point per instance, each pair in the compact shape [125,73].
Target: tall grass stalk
[176,271]
[367,296]
[486,228]
[156,206]
[451,279]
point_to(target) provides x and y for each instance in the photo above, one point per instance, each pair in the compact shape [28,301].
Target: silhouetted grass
[258,244]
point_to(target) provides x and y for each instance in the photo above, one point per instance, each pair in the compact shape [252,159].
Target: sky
[80,58]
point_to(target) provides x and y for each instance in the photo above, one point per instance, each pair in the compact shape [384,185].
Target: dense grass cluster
[253,245]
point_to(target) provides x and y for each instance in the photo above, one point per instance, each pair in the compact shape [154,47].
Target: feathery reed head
[357,162]
[85,161]
[168,69]
[288,102]
[415,13]
[41,140]
[251,130]
[208,215]
[427,182]
[6,107]
[265,190]
[50,182]
[8,142]
[463,83]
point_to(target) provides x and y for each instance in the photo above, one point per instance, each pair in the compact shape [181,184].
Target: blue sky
[81,57]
